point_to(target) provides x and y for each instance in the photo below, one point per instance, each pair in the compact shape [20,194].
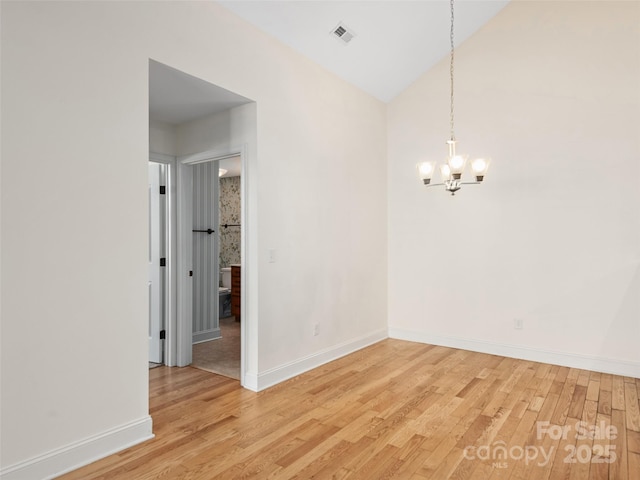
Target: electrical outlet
[316,329]
[518,324]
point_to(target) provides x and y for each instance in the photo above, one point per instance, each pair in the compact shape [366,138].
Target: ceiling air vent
[343,33]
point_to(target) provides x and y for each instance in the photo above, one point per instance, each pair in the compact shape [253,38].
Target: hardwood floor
[393,410]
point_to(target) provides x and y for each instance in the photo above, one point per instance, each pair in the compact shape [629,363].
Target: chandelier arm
[434,184]
[445,185]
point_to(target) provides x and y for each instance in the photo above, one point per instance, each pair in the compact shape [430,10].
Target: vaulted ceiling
[394,42]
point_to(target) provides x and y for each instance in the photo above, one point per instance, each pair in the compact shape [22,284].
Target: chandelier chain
[451,112]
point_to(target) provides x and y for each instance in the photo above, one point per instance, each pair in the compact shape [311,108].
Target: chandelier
[453,169]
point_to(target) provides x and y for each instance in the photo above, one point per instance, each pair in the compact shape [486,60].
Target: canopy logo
[499,453]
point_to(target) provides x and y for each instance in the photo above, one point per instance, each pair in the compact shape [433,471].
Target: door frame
[157,226]
[183,292]
[170,280]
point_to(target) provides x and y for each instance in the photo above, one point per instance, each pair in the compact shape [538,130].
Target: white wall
[162,138]
[75,143]
[222,131]
[550,91]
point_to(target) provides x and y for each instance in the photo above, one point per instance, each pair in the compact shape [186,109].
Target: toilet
[225,273]
[224,293]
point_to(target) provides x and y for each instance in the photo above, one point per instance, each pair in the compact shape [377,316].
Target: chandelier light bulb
[426,169]
[457,164]
[480,167]
[445,171]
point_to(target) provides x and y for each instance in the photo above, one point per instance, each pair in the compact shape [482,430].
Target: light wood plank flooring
[393,410]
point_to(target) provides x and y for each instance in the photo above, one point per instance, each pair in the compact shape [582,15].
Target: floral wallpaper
[229,214]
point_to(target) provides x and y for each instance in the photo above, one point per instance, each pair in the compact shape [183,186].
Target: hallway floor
[221,356]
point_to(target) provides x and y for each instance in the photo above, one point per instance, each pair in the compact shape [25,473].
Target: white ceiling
[395,41]
[176,97]
[233,166]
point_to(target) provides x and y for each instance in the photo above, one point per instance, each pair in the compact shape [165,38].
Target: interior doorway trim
[183,330]
[169,298]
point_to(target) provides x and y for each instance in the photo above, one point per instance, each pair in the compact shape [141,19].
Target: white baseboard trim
[251,381]
[206,336]
[78,454]
[584,362]
[273,376]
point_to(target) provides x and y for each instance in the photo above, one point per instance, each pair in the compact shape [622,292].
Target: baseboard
[279,374]
[584,362]
[206,336]
[251,381]
[78,454]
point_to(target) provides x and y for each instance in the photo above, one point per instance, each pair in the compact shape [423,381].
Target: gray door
[206,246]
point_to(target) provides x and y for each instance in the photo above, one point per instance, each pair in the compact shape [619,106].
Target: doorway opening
[216,345]
[187,115]
[198,239]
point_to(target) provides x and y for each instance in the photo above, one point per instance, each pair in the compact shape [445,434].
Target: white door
[155,286]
